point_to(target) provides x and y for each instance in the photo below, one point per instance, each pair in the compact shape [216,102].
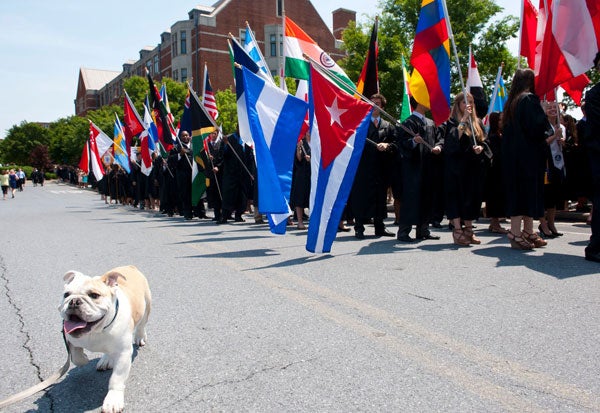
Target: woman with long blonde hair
[466,157]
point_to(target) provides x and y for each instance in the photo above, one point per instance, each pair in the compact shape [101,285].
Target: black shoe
[359,234]
[405,238]
[429,236]
[384,233]
[436,224]
[239,219]
[188,218]
[222,221]
[592,256]
[344,228]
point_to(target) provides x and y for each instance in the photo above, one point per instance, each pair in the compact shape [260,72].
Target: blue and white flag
[339,125]
[275,118]
[251,47]
[241,57]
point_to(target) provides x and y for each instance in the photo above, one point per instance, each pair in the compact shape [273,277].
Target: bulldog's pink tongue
[70,326]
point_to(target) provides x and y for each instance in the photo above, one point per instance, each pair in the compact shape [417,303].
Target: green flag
[202,124]
[406,95]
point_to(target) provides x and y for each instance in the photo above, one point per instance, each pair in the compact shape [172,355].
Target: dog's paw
[114,402]
[105,363]
[140,338]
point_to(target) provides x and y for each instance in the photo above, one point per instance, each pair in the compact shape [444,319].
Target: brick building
[202,37]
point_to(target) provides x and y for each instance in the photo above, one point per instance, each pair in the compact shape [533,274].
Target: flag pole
[520,34]
[210,158]
[282,57]
[462,83]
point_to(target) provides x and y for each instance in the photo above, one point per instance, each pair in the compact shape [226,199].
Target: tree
[471,22]
[20,141]
[227,104]
[67,137]
[40,158]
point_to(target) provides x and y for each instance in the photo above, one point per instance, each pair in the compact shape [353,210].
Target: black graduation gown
[415,166]
[524,157]
[464,173]
[300,191]
[233,189]
[183,176]
[495,193]
[368,197]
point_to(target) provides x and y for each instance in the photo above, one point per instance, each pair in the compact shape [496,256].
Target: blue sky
[44,43]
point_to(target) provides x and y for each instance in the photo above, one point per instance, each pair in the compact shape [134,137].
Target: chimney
[341,18]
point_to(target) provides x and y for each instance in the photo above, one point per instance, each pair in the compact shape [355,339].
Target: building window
[273,44]
[149,66]
[279,7]
[183,40]
[183,74]
[174,45]
[175,75]
[281,45]
[156,66]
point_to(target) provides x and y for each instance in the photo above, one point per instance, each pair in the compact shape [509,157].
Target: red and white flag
[529,24]
[570,41]
[90,158]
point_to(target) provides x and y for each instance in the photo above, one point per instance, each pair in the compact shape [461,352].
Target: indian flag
[296,43]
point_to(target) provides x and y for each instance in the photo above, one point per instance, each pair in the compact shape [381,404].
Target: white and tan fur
[93,321]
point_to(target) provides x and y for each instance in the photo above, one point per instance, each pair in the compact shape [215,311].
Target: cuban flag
[339,125]
[275,118]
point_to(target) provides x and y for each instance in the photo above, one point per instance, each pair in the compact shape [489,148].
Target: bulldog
[106,314]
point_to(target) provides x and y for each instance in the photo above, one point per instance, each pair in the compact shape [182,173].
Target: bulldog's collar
[115,316]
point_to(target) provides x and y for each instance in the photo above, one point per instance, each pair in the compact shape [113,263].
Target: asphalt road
[243,320]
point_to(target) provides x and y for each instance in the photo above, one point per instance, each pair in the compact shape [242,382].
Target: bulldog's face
[86,303]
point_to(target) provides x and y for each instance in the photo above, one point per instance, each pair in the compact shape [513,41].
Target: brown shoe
[534,239]
[472,238]
[518,242]
[460,237]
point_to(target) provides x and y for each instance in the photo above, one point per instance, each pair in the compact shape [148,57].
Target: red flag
[567,53]
[90,158]
[528,32]
[132,124]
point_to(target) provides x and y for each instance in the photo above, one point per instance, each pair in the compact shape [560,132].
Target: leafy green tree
[227,104]
[67,137]
[20,141]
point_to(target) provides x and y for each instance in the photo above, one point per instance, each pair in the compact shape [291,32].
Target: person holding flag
[418,141]
[181,156]
[368,197]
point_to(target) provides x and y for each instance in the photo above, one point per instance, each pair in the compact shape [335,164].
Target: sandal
[534,239]
[460,237]
[497,229]
[472,238]
[518,242]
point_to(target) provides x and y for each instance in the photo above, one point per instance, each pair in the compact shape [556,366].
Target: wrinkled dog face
[85,303]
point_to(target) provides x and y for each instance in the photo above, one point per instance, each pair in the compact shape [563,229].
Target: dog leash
[42,385]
